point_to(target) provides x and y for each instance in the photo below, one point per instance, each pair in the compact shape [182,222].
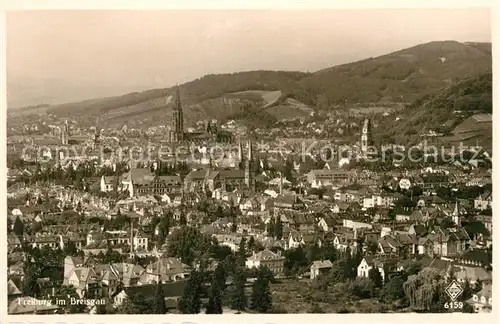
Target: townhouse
[273,261]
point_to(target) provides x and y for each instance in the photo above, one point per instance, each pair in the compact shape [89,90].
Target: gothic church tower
[366,137]
[65,133]
[177,132]
[249,176]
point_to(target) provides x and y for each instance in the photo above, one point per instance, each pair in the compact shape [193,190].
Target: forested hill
[399,77]
[444,109]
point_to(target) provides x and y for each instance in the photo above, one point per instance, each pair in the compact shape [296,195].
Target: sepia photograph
[331,161]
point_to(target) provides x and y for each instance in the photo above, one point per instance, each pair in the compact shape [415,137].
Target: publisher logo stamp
[454,290]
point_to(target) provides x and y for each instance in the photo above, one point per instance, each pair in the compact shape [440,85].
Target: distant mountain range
[263,97]
[24,90]
[444,109]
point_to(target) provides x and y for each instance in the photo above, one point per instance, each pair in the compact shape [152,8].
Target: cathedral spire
[177,98]
[250,157]
[249,177]
[240,150]
[456,214]
[65,133]
[366,137]
[177,118]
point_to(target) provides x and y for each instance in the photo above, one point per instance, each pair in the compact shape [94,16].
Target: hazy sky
[122,50]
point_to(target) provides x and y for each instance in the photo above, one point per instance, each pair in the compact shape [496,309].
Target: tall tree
[162,236]
[340,271]
[393,288]
[372,246]
[278,230]
[218,284]
[271,228]
[184,242]
[251,244]
[288,170]
[220,276]
[351,264]
[375,276]
[18,227]
[261,299]
[238,297]
[295,261]
[190,302]
[313,252]
[242,252]
[219,212]
[70,248]
[159,306]
[267,274]
[182,219]
[232,215]
[329,252]
[425,291]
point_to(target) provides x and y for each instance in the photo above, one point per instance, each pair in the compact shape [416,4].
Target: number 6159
[453,305]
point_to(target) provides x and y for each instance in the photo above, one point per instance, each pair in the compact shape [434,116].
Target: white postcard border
[259,318]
